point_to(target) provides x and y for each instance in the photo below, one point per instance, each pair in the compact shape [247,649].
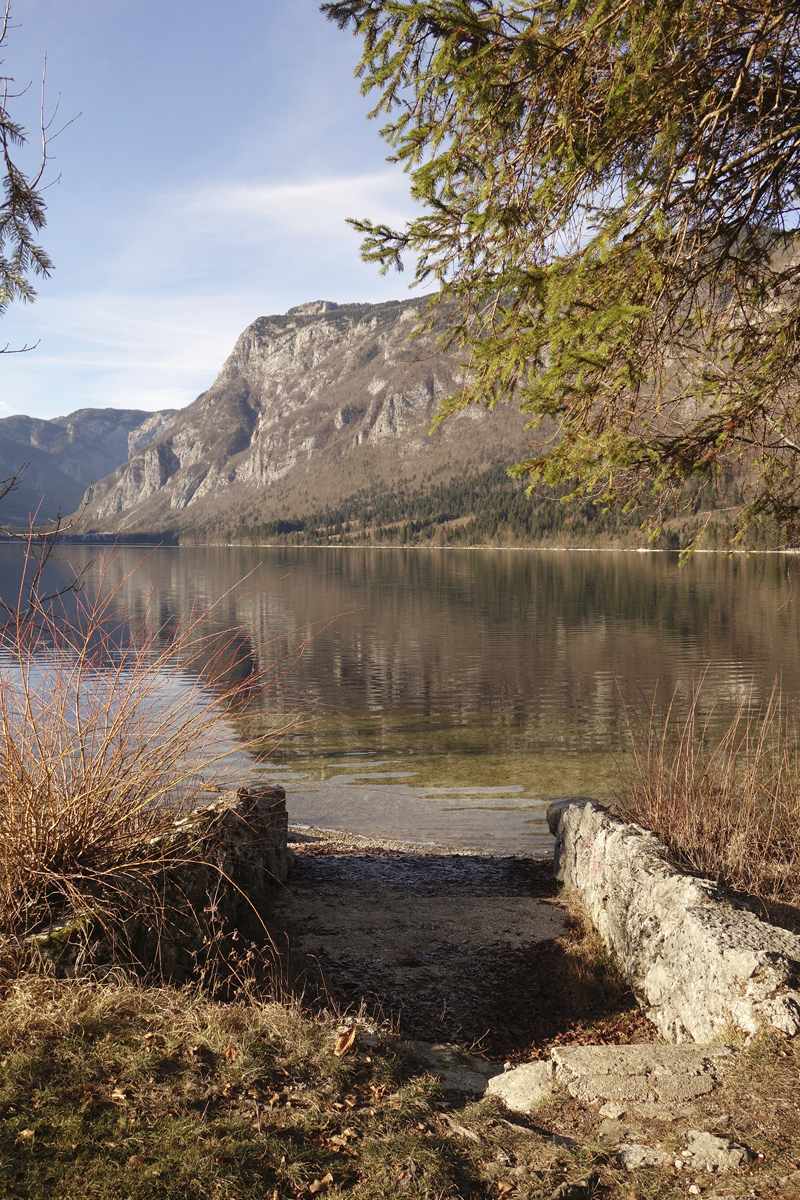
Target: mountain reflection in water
[456,691]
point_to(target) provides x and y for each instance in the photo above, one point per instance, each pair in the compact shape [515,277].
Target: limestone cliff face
[66,455]
[308,407]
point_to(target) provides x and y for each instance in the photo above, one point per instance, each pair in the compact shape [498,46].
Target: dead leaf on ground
[504,1188]
[118,1094]
[345,1042]
[25,1135]
[135,1160]
[321,1185]
[231,1054]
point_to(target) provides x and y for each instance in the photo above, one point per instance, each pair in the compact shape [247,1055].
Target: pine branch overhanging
[609,200]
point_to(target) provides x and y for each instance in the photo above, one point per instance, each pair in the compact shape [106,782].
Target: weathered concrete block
[715,1153]
[652,1079]
[524,1088]
[698,963]
[633,1156]
[658,1082]
[463,1073]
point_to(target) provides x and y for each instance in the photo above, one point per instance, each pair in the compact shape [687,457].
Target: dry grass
[729,810]
[133,1093]
[110,727]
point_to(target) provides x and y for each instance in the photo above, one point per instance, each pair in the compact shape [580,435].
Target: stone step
[659,1082]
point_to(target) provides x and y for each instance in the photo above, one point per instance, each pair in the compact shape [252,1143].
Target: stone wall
[698,962]
[215,877]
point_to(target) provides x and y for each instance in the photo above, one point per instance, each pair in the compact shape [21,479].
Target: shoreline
[346,842]
[151,542]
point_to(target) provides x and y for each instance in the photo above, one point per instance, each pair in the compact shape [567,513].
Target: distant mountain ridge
[66,454]
[310,406]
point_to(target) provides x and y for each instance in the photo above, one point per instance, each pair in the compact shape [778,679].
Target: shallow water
[446,695]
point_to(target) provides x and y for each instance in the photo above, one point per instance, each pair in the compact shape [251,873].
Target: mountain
[67,454]
[309,407]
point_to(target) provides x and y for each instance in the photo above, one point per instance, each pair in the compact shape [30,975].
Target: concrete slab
[715,1153]
[656,1081]
[633,1157]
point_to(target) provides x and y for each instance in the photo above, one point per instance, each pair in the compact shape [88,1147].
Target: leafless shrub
[110,730]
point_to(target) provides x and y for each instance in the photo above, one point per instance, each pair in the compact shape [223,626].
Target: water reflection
[474,670]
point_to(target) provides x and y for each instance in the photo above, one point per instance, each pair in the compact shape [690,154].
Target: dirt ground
[450,946]
[482,951]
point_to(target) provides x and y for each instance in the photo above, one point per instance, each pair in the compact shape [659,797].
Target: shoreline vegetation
[115,726]
[483,509]
[489,509]
[727,809]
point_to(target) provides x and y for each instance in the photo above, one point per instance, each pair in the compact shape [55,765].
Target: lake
[448,694]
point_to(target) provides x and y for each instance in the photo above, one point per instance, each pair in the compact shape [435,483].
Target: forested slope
[481,508]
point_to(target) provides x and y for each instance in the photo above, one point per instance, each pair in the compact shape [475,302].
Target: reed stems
[726,808]
[111,727]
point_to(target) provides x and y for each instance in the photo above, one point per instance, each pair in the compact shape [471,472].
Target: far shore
[164,541]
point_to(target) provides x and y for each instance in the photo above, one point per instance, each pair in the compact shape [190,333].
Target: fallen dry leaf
[118,1094]
[321,1185]
[231,1054]
[135,1160]
[504,1188]
[345,1042]
[25,1135]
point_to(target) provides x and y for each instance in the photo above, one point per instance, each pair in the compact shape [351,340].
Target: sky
[206,182]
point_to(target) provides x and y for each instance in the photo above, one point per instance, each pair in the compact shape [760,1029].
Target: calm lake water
[456,691]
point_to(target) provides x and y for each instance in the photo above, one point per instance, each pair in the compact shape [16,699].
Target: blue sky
[206,182]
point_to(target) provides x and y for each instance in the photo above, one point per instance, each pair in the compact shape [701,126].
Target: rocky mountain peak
[309,406]
[312,308]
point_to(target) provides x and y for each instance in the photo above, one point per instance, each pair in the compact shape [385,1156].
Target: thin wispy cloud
[314,209]
[207,183]
[191,273]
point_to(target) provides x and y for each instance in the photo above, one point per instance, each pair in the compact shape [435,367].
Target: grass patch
[115,1091]
[124,1091]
